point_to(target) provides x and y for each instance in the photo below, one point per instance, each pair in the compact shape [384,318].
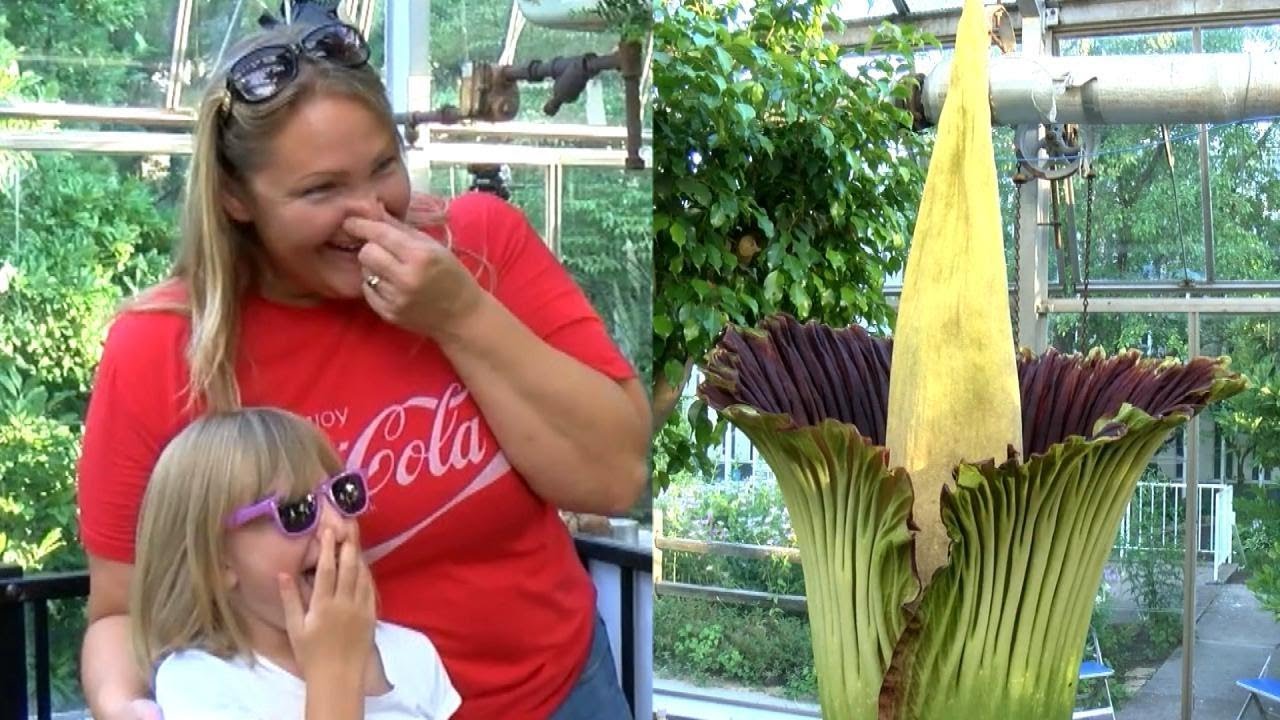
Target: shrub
[747,511]
[711,641]
[1265,581]
[1257,522]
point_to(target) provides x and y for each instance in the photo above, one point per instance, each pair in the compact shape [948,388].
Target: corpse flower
[954,501]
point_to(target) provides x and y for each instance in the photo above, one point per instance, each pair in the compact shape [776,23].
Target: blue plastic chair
[1096,669]
[1260,687]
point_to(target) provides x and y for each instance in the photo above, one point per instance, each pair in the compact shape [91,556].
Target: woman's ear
[235,202]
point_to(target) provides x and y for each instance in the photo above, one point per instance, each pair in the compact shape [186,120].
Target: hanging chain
[1018,180]
[1088,244]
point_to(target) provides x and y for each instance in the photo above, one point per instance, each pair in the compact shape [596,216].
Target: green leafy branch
[786,179]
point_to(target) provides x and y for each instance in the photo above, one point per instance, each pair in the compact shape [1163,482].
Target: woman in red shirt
[443,349]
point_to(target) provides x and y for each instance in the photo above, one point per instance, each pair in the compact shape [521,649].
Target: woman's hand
[411,279]
[335,632]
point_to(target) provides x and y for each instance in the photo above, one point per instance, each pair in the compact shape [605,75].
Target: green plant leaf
[1029,543]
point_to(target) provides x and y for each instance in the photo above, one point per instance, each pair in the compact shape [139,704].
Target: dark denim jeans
[597,695]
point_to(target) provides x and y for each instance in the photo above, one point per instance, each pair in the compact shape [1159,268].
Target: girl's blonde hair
[216,262]
[219,463]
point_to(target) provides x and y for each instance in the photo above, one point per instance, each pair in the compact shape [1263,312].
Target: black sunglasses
[262,73]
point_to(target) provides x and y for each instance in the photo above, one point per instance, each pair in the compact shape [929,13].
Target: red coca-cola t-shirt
[461,548]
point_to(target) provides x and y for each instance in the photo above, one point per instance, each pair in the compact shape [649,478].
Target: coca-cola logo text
[392,446]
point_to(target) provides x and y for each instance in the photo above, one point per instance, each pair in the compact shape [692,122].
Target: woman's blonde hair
[215,264]
[220,462]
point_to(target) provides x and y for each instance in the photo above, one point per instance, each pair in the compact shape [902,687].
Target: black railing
[634,563]
[18,593]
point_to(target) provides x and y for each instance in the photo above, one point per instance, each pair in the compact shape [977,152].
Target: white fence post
[1224,522]
[1216,500]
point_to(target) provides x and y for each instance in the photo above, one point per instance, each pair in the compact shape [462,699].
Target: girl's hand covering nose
[335,632]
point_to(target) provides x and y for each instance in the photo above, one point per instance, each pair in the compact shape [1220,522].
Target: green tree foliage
[783,182]
[1250,423]
[93,51]
[606,242]
[77,234]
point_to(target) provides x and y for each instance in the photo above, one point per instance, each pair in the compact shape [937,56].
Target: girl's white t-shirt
[194,685]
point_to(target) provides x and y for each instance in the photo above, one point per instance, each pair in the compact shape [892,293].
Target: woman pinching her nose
[412,279]
[416,280]
[441,347]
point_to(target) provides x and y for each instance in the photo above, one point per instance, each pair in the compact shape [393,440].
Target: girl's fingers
[326,572]
[364,590]
[348,570]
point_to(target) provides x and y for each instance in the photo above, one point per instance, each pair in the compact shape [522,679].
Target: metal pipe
[1191,547]
[1167,306]
[1206,191]
[1033,207]
[1176,290]
[630,61]
[1121,89]
[185,119]
[1181,289]
[461,153]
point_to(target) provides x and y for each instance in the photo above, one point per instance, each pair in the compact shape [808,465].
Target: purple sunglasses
[346,492]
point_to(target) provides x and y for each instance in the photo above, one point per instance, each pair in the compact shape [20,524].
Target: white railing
[1157,512]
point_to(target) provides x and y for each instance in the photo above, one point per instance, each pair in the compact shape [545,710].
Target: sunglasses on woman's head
[346,491]
[262,73]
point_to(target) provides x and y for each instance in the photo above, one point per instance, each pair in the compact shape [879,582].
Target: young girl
[251,598]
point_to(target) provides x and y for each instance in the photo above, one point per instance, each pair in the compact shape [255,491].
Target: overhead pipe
[1118,89]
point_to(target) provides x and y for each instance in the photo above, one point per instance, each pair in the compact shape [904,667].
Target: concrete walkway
[1234,638]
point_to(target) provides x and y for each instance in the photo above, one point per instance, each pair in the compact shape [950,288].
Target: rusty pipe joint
[631,66]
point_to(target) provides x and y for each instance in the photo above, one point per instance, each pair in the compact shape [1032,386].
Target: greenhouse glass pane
[1241,527]
[529,193]
[933,6]
[1157,335]
[1244,171]
[93,53]
[606,242]
[1244,453]
[1147,222]
[462,31]
[526,184]
[443,180]
[218,25]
